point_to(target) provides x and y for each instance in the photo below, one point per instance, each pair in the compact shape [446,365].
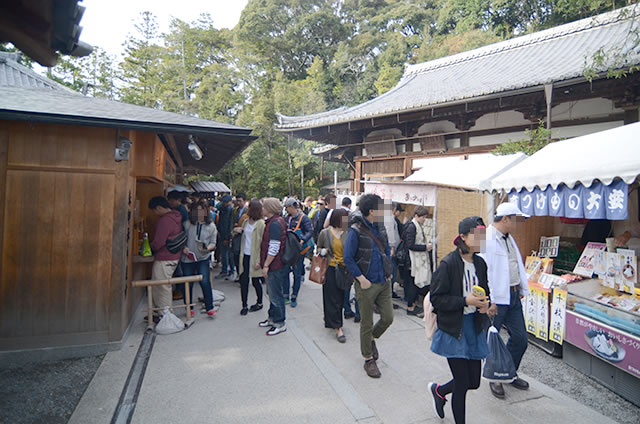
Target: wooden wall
[64,236]
[452,206]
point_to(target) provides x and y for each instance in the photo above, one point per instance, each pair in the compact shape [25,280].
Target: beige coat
[256,242]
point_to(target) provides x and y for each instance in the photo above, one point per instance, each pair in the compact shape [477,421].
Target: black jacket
[446,293]
[409,238]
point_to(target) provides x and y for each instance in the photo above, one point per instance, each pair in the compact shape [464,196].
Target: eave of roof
[486,71]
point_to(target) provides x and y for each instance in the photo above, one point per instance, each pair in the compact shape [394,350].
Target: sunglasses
[320,204]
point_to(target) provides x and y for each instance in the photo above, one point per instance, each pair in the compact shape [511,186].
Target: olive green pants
[378,294]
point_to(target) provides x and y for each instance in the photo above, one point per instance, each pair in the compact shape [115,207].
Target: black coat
[446,294]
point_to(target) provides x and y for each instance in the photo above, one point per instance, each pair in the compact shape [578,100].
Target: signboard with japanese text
[558,315]
[616,347]
[595,202]
[542,315]
[413,194]
[531,311]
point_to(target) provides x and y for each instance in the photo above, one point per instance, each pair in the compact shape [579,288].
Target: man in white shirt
[508,283]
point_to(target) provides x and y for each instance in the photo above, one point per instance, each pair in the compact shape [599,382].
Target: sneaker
[193,313]
[286,301]
[438,401]
[356,319]
[395,296]
[212,313]
[221,275]
[265,323]
[371,368]
[277,330]
[294,302]
[348,315]
[416,312]
[255,307]
[244,311]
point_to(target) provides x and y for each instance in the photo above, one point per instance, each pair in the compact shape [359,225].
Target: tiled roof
[13,74]
[553,55]
[62,106]
[209,187]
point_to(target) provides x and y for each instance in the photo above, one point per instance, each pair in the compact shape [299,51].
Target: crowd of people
[369,247]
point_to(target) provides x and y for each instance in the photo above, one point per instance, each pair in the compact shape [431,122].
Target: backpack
[292,248]
[177,243]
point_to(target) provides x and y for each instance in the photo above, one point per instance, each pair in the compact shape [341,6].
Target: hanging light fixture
[194,149]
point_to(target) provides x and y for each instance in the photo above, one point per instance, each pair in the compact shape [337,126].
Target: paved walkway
[226,370]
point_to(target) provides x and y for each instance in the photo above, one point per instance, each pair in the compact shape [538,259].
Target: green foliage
[298,57]
[535,140]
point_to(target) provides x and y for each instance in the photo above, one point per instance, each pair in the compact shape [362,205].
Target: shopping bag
[498,367]
[169,324]
[430,318]
[218,296]
[319,265]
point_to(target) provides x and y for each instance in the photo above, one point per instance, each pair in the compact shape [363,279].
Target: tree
[537,138]
[141,72]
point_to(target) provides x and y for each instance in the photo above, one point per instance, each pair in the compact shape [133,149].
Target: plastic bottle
[146,248]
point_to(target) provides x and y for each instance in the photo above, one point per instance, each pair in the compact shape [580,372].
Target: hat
[397,207]
[468,224]
[509,209]
[226,198]
[291,201]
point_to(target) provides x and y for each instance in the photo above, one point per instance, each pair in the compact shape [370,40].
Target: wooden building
[473,101]
[76,175]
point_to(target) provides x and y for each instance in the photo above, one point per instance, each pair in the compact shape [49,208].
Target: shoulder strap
[373,237]
[298,225]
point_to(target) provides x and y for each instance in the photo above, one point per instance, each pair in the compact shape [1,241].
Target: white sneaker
[265,323]
[277,330]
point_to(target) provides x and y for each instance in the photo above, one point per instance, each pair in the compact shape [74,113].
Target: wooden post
[149,307]
[187,300]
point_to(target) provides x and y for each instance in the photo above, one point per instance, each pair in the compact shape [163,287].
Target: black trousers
[332,300]
[244,282]
[466,376]
[411,290]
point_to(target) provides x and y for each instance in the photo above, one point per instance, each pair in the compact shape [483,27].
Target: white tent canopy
[463,171]
[603,156]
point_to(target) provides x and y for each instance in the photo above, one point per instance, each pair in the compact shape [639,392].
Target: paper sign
[600,264]
[628,269]
[586,263]
[532,268]
[542,324]
[549,280]
[531,310]
[549,247]
[558,313]
[612,277]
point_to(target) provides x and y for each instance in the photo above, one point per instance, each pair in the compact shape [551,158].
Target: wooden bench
[178,280]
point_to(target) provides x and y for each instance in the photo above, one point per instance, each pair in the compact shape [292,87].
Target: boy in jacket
[509,283]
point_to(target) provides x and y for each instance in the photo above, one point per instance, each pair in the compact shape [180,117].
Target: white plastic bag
[169,324]
[218,296]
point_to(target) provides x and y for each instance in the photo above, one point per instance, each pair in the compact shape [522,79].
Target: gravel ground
[555,373]
[46,392]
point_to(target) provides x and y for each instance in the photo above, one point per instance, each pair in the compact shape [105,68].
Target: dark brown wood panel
[61,146]
[57,267]
[4,145]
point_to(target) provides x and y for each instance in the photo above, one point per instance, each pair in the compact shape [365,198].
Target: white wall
[578,130]
[496,139]
[437,127]
[591,108]
[500,119]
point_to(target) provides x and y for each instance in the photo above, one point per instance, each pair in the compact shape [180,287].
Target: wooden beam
[171,141]
[4,152]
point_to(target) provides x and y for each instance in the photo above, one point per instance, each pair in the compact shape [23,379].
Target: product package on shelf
[628,269]
[586,263]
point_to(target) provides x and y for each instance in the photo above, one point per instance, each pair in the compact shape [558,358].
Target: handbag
[177,243]
[318,273]
[343,277]
[430,318]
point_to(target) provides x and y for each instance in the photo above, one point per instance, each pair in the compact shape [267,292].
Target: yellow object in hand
[478,291]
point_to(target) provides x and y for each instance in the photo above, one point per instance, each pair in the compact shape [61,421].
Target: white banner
[413,194]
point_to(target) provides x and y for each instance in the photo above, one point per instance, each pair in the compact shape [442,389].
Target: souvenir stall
[449,188]
[594,304]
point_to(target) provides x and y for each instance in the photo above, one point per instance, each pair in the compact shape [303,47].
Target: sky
[106,23]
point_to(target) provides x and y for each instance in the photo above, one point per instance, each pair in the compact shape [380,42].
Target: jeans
[244,282]
[227,258]
[511,317]
[298,275]
[347,304]
[202,268]
[275,283]
[378,294]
